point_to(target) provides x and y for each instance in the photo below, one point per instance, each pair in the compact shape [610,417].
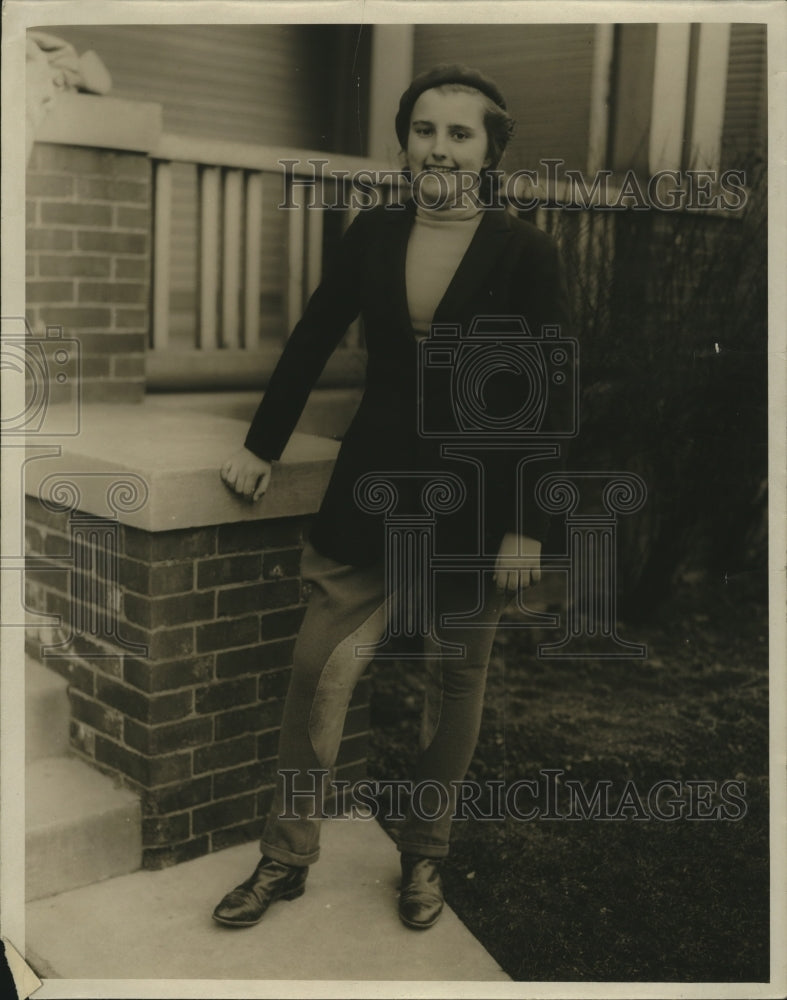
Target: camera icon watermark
[501,402]
[51,369]
[497,382]
[91,562]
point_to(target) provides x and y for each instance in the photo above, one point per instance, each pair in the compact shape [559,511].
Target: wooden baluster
[230,299]
[209,256]
[353,336]
[315,219]
[162,226]
[295,247]
[251,308]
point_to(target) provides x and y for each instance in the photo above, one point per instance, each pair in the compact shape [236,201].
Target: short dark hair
[498,123]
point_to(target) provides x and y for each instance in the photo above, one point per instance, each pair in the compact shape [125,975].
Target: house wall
[270,84]
[297,85]
[276,85]
[632,95]
[744,121]
[292,84]
[746,104]
[544,71]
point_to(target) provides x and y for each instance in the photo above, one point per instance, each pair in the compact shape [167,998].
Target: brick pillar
[88,261]
[193,726]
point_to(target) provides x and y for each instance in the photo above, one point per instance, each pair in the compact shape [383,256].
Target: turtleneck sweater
[438,241]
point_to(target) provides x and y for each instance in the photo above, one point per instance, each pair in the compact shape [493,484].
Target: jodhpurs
[349,608]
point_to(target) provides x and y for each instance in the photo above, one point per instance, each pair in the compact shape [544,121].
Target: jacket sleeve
[330,310]
[549,307]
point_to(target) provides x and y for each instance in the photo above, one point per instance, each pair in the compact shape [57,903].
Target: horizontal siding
[249,83]
[745,119]
[267,84]
[544,72]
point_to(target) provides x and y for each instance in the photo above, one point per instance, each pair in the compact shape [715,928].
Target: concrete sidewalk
[157,925]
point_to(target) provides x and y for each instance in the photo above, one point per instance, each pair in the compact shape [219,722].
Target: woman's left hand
[513,576]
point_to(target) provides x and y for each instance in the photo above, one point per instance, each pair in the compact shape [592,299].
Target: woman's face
[447,135]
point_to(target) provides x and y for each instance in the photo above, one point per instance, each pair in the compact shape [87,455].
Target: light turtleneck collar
[456,213]
[438,241]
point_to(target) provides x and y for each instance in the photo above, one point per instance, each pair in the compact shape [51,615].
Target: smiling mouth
[439,170]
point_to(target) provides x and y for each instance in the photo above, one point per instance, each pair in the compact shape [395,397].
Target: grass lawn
[631,899]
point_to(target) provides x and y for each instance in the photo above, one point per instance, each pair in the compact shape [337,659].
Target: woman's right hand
[247,474]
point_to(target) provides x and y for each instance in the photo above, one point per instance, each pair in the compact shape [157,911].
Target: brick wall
[88,261]
[192,726]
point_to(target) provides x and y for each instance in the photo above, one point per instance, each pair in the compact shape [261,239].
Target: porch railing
[231,345]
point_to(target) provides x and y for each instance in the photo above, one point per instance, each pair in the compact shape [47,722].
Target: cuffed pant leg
[347,608]
[453,706]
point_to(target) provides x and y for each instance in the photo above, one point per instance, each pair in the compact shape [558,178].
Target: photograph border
[18,15]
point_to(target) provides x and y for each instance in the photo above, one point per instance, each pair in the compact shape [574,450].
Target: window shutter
[745,113]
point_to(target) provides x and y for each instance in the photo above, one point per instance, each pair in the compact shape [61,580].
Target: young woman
[445,258]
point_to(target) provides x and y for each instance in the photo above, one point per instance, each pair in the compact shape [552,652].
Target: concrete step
[47,712]
[81,828]
[345,928]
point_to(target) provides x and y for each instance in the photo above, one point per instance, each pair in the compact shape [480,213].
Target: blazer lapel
[486,247]
[394,259]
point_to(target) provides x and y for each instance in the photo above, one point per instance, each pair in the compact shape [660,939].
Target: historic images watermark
[462,365]
[498,395]
[550,796]
[521,190]
[88,548]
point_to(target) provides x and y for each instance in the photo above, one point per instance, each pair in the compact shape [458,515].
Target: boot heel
[295,893]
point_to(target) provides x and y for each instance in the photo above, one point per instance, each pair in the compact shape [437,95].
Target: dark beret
[439,76]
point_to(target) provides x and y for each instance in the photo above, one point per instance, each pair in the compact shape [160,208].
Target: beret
[439,76]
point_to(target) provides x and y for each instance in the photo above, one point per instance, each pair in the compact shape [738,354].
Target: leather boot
[421,896]
[271,880]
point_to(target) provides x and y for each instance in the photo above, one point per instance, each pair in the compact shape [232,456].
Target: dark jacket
[511,269]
